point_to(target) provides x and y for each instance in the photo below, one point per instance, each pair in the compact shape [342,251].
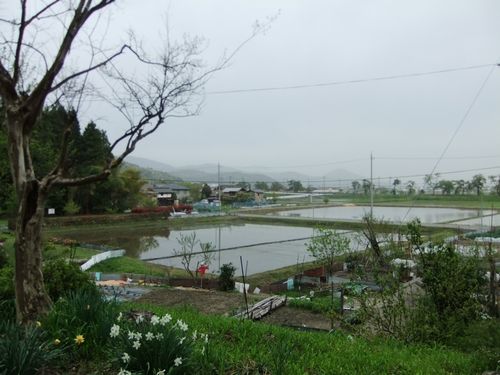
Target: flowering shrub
[156,345]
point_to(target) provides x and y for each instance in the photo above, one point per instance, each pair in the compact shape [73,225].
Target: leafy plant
[326,245]
[62,278]
[315,304]
[71,208]
[226,277]
[25,350]
[81,321]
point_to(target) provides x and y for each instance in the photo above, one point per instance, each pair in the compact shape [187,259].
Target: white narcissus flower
[159,336]
[161,372]
[138,335]
[115,330]
[181,340]
[177,361]
[131,335]
[206,338]
[165,319]
[149,336]
[182,326]
[195,335]
[155,320]
[136,344]
[125,358]
[139,319]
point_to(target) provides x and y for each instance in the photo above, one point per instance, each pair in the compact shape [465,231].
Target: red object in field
[202,269]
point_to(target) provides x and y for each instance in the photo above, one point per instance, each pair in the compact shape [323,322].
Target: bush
[226,277]
[71,208]
[25,350]
[316,304]
[4,260]
[81,321]
[62,277]
[6,283]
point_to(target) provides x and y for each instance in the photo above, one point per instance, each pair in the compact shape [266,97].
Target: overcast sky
[315,130]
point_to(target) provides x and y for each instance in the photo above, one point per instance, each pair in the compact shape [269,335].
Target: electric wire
[457,130]
[347,82]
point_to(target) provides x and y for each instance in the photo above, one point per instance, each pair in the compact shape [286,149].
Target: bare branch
[16,64]
[82,13]
[90,69]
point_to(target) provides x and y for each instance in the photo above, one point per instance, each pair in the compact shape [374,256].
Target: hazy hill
[154,170]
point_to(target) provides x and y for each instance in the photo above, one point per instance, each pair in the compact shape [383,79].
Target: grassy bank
[243,347]
[136,266]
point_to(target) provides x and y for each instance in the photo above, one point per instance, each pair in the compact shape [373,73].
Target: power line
[435,157]
[347,82]
[458,128]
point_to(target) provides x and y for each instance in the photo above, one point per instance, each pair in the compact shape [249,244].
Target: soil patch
[205,301]
[290,316]
[223,303]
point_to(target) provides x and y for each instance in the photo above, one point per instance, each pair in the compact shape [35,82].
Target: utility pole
[218,187]
[371,185]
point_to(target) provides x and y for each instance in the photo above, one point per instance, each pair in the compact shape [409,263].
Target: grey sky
[323,41]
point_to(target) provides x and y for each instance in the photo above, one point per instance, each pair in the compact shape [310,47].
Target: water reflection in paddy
[153,243]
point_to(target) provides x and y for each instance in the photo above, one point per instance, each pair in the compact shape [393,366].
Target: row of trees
[476,185]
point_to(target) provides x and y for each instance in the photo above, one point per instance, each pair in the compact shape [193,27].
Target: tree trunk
[31,298]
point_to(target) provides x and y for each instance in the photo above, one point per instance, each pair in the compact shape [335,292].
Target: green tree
[431,181]
[295,186]
[453,286]
[276,186]
[477,183]
[261,185]
[206,191]
[410,185]
[356,186]
[446,186]
[395,185]
[367,185]
[460,187]
[326,245]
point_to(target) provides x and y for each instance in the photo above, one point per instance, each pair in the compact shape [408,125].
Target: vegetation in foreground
[115,342]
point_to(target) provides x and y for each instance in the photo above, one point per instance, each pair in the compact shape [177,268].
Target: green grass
[246,347]
[265,278]
[132,265]
[320,304]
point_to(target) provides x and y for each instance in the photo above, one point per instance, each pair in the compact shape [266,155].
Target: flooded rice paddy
[427,215]
[147,243]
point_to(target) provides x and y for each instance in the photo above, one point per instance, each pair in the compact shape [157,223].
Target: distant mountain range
[154,170]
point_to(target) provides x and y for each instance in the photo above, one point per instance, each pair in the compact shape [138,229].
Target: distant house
[232,191]
[167,194]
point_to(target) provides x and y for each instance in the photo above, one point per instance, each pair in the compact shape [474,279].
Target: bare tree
[38,68]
